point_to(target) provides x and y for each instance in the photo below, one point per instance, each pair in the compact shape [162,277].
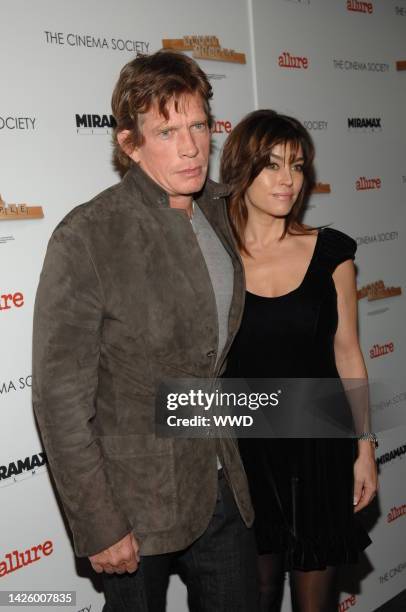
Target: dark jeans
[219,569]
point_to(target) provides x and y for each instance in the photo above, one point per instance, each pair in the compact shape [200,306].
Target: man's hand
[121,557]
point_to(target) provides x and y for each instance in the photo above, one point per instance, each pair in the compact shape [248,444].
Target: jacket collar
[154,195]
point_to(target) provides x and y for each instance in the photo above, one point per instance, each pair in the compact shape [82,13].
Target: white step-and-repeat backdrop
[338,66]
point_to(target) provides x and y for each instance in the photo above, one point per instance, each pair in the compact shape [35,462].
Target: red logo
[378,291]
[360,7]
[16,560]
[379,350]
[286,60]
[396,512]
[367,183]
[219,127]
[8,300]
[322,188]
[348,603]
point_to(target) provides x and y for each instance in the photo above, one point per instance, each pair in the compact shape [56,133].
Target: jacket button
[211,353]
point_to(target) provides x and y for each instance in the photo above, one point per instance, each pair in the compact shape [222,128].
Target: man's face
[175,152]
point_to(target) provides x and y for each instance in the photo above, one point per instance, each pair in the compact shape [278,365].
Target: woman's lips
[283,196]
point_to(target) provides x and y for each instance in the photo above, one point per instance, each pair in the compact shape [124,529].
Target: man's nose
[186,144]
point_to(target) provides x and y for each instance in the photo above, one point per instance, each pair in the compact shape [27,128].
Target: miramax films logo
[19,212]
[364,124]
[21,469]
[91,124]
[206,47]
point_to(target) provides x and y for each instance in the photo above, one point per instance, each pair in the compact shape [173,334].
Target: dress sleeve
[336,247]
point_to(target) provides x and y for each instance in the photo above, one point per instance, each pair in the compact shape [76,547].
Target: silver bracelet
[371,437]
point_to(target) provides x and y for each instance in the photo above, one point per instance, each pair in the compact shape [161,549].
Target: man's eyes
[196,127]
[165,133]
[199,126]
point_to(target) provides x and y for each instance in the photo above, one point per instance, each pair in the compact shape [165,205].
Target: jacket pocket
[141,471]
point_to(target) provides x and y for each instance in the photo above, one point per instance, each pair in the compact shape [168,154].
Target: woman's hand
[365,476]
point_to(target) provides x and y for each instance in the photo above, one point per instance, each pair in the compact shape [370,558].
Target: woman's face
[277,186]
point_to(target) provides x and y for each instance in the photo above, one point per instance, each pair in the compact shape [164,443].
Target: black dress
[302,489]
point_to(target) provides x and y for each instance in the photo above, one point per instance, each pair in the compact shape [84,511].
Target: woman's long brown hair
[247,152]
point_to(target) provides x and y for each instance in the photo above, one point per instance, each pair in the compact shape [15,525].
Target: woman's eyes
[295,167]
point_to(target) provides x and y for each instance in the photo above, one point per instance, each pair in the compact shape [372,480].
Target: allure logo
[396,512]
[379,350]
[348,603]
[16,560]
[11,300]
[286,60]
[221,127]
[367,183]
[360,7]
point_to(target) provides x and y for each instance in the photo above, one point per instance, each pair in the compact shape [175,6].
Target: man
[132,292]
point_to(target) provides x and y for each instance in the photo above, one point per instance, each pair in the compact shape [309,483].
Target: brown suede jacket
[125,300]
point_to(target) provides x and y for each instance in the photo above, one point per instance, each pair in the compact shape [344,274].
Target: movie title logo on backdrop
[287,60]
[396,453]
[392,573]
[13,385]
[401,65]
[17,123]
[364,124]
[9,301]
[400,11]
[348,603]
[380,350]
[315,125]
[205,47]
[21,469]
[16,560]
[378,291]
[360,7]
[92,41]
[376,238]
[395,513]
[322,188]
[364,183]
[19,212]
[88,123]
[360,66]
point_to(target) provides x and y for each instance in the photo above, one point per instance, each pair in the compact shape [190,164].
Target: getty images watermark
[270,408]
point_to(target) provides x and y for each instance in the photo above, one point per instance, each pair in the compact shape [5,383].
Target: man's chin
[191,186]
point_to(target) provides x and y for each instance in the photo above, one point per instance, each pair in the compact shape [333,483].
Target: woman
[299,321]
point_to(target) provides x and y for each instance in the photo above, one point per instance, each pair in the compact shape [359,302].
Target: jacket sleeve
[68,317]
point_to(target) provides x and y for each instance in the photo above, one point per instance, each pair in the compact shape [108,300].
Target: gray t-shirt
[221,271]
